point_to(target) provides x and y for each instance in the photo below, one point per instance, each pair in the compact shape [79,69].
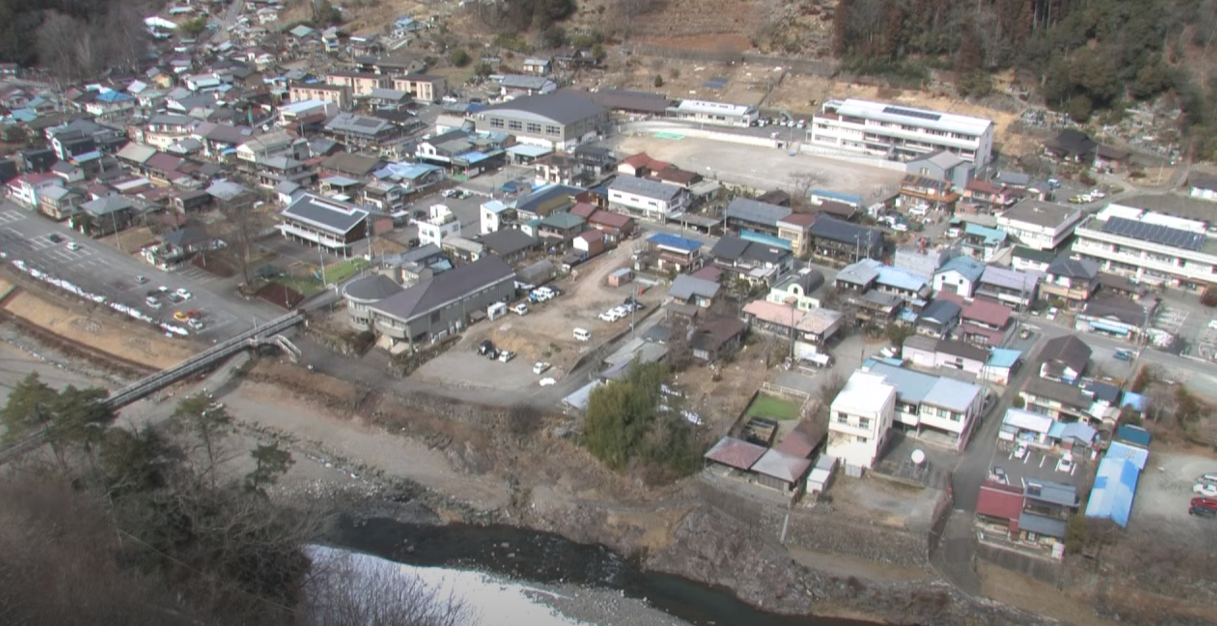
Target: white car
[1066,464]
[195,323]
[1052,313]
[73,246]
[520,309]
[1020,452]
[545,382]
[152,302]
[1208,490]
[610,316]
[183,293]
[900,227]
[506,355]
[540,367]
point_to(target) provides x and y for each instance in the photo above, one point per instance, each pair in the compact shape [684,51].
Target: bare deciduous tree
[343,592]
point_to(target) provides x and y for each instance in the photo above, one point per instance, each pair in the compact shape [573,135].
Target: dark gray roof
[962,349]
[1068,395]
[325,213]
[1050,491]
[507,241]
[733,248]
[941,311]
[1047,526]
[358,124]
[353,164]
[837,230]
[624,100]
[529,203]
[449,287]
[757,212]
[1068,350]
[371,288]
[645,188]
[420,253]
[809,281]
[107,205]
[184,237]
[559,107]
[1062,265]
[1122,309]
[685,286]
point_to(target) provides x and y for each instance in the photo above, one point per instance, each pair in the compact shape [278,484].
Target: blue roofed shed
[1115,483]
[1133,435]
[672,241]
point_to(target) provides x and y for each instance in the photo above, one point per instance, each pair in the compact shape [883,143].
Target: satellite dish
[918,457]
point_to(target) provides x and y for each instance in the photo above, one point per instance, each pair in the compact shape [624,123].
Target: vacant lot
[1165,489]
[101,330]
[761,167]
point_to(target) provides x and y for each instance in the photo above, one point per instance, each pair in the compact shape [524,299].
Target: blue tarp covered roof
[1135,435]
[672,241]
[1115,484]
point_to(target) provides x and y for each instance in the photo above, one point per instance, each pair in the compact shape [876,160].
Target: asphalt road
[98,268]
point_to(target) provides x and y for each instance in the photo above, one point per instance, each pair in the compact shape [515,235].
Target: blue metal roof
[992,236]
[1137,456]
[1136,401]
[1115,485]
[1134,435]
[967,266]
[672,241]
[840,197]
[764,238]
[900,278]
[1003,357]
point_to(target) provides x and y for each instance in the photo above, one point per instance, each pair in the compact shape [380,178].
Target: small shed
[620,277]
[589,242]
[821,474]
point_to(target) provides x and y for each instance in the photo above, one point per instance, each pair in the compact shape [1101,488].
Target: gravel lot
[1165,489]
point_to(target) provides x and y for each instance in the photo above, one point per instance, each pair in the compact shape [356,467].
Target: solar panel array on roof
[925,115]
[1154,233]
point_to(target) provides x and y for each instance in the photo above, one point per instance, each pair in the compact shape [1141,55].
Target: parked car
[180,316]
[140,280]
[520,309]
[506,355]
[1207,478]
[54,238]
[1000,475]
[152,302]
[174,298]
[539,368]
[183,293]
[889,352]
[1021,451]
[72,245]
[1066,464]
[900,227]
[610,316]
[545,382]
[1123,355]
[1024,334]
[1208,490]
[1202,511]
[632,301]
[486,347]
[1052,313]
[195,323]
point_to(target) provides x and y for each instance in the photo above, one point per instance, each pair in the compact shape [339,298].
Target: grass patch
[774,407]
[339,272]
[306,285]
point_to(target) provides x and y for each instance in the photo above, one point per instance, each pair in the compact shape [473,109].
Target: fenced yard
[309,282]
[774,407]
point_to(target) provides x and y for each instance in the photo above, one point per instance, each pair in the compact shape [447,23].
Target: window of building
[514,125]
[534,127]
[864,422]
[842,418]
[496,122]
[553,131]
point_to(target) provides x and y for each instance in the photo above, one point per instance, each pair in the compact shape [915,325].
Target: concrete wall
[1046,570]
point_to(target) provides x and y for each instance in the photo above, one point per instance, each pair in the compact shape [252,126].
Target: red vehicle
[1208,503]
[1204,507]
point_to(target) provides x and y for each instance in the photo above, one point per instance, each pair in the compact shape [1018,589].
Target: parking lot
[98,268]
[1165,489]
[1040,465]
[546,332]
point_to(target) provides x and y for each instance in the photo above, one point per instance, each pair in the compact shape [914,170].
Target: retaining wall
[1046,570]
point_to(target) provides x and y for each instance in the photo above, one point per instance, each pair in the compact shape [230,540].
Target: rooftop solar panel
[925,115]
[1154,233]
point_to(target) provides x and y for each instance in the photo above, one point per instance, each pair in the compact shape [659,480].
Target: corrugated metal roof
[782,466]
[1115,485]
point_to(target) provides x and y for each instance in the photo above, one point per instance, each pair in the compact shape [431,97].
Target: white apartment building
[647,199]
[440,223]
[1149,247]
[860,420]
[931,407]
[892,130]
[1040,225]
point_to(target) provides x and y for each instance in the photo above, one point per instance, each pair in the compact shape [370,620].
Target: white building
[882,129]
[1149,247]
[707,112]
[860,420]
[648,199]
[1040,225]
[493,215]
[440,223]
[933,408]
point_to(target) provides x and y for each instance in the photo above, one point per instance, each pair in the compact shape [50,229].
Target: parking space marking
[10,216]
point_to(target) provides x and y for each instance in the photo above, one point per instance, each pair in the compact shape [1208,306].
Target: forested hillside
[80,36]
[1082,56]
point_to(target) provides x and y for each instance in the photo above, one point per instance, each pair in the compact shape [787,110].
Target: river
[546,558]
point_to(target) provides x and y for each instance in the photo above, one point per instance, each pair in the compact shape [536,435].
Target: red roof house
[1000,503]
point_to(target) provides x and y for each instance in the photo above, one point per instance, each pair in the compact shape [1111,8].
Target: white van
[582,334]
